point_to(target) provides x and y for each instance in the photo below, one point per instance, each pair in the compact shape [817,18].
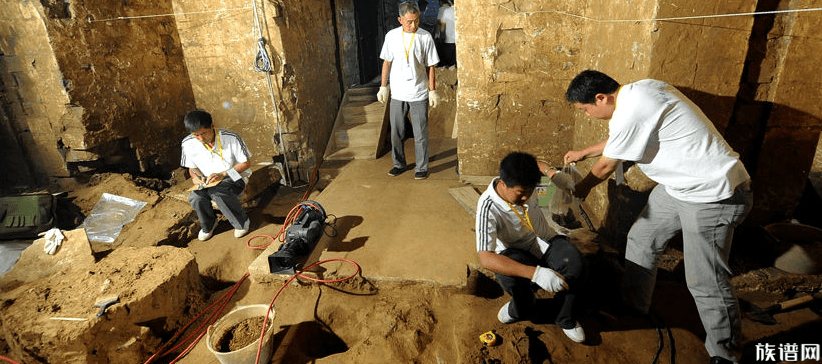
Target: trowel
[104,303]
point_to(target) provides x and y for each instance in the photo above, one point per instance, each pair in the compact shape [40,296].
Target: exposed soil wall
[95,86]
[513,58]
[33,98]
[742,70]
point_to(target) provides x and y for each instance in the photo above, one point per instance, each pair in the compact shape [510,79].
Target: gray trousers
[707,234]
[224,195]
[418,112]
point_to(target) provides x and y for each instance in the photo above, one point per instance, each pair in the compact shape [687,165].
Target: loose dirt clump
[240,335]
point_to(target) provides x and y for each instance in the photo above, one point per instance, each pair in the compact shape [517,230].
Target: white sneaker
[239,233]
[503,315]
[203,236]
[576,333]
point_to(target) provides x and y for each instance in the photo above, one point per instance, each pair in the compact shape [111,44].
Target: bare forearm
[590,151]
[240,167]
[386,67]
[506,266]
[432,80]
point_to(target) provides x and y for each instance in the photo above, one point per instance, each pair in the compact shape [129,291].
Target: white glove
[383,94]
[549,280]
[433,98]
[53,240]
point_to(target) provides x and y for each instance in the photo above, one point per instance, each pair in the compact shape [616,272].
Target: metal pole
[286,166]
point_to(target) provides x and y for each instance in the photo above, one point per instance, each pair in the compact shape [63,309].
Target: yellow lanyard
[217,143]
[410,45]
[525,221]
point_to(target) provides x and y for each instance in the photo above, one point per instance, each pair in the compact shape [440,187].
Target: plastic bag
[563,201]
[565,180]
[109,216]
[9,253]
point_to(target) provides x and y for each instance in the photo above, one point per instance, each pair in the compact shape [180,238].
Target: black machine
[300,238]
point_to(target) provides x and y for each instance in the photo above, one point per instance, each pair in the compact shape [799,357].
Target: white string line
[170,14]
[661,19]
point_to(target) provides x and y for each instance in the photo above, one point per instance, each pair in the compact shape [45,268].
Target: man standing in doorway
[703,191]
[409,57]
[445,18]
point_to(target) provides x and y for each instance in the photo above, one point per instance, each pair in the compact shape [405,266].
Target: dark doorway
[374,18]
[369,38]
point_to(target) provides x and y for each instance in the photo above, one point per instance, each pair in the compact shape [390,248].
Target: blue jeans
[707,234]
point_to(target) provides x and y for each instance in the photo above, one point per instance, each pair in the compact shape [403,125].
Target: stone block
[262,177]
[54,320]
[35,264]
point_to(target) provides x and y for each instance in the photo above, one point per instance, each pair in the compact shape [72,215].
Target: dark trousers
[448,55]
[565,259]
[225,195]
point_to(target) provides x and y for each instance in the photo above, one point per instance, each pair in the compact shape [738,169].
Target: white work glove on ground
[549,280]
[433,98]
[53,240]
[383,94]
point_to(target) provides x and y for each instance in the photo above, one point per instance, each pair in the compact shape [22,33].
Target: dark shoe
[421,175]
[719,360]
[396,171]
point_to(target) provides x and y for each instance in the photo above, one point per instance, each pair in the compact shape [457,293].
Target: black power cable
[659,324]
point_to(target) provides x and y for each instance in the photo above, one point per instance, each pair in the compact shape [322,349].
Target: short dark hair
[519,169]
[196,120]
[586,85]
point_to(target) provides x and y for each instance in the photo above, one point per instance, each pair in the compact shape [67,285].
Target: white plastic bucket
[248,354]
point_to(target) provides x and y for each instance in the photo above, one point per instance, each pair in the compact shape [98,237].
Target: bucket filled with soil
[235,338]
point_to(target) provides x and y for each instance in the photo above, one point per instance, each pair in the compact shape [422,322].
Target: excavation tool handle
[790,303]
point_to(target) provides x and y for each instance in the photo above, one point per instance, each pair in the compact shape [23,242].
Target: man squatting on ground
[215,155]
[703,190]
[409,56]
[516,243]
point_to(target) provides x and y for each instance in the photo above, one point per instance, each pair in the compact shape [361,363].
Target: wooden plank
[467,197]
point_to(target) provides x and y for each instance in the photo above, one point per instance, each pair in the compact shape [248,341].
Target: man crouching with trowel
[516,243]
[218,162]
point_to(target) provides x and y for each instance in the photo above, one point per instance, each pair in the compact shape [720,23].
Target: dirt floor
[152,264]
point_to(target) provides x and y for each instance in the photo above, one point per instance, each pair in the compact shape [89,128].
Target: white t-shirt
[446,15]
[409,75]
[229,150]
[498,227]
[673,143]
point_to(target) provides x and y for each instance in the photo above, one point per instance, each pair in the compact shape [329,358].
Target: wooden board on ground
[467,197]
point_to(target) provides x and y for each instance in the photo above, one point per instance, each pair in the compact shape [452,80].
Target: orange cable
[222,301]
[8,360]
[294,276]
[289,219]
